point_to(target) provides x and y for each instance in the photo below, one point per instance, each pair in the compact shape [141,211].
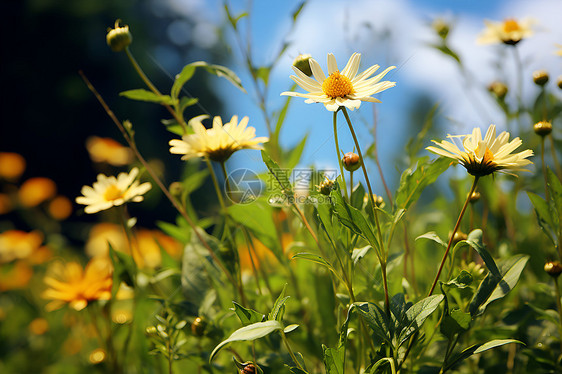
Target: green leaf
[281,116]
[317,259]
[149,96]
[298,10]
[248,333]
[233,20]
[279,174]
[290,328]
[432,235]
[463,280]
[278,309]
[124,269]
[334,359]
[493,288]
[447,51]
[359,253]
[189,69]
[475,241]
[247,316]
[353,218]
[358,196]
[414,181]
[542,210]
[263,73]
[555,192]
[376,318]
[294,155]
[186,102]
[196,264]
[479,348]
[455,323]
[258,218]
[417,314]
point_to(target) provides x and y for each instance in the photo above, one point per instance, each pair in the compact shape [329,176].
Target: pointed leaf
[334,359]
[493,288]
[247,316]
[249,333]
[376,318]
[418,313]
[475,241]
[542,210]
[148,96]
[478,348]
[432,235]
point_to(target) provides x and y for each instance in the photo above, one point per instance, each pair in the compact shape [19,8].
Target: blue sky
[344,27]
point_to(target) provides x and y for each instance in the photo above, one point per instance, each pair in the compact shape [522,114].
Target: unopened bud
[553,268]
[151,331]
[559,82]
[459,235]
[119,37]
[543,128]
[475,197]
[379,201]
[540,77]
[176,188]
[198,326]
[301,62]
[248,369]
[499,89]
[351,161]
[326,187]
[441,28]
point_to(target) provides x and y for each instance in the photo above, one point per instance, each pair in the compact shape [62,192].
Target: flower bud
[459,235]
[559,82]
[540,77]
[543,128]
[351,161]
[326,187]
[553,268]
[379,201]
[198,326]
[301,62]
[150,331]
[441,27]
[176,189]
[119,37]
[475,197]
[248,369]
[499,89]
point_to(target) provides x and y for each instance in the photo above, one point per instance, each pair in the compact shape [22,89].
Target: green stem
[453,235]
[226,181]
[559,306]
[555,157]
[286,341]
[519,68]
[216,184]
[384,254]
[140,72]
[340,163]
[544,170]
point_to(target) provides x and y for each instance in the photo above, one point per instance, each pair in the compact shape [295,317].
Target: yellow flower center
[510,25]
[112,193]
[337,85]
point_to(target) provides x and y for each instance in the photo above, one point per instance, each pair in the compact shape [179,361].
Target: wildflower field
[220,237]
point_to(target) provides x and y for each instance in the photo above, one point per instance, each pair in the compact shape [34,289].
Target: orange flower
[17,244]
[36,190]
[261,254]
[109,151]
[12,165]
[60,208]
[71,284]
[15,276]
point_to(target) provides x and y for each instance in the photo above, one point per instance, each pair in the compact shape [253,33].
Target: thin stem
[384,256]
[156,179]
[453,235]
[546,194]
[290,350]
[519,68]
[350,185]
[152,87]
[216,184]
[340,163]
[559,306]
[555,157]
[376,155]
[226,181]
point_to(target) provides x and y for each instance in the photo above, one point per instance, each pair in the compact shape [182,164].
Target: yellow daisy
[344,88]
[484,156]
[509,31]
[219,142]
[110,191]
[71,284]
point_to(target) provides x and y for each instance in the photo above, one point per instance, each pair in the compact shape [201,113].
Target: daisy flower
[508,32]
[344,88]
[110,191]
[480,156]
[219,142]
[71,284]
